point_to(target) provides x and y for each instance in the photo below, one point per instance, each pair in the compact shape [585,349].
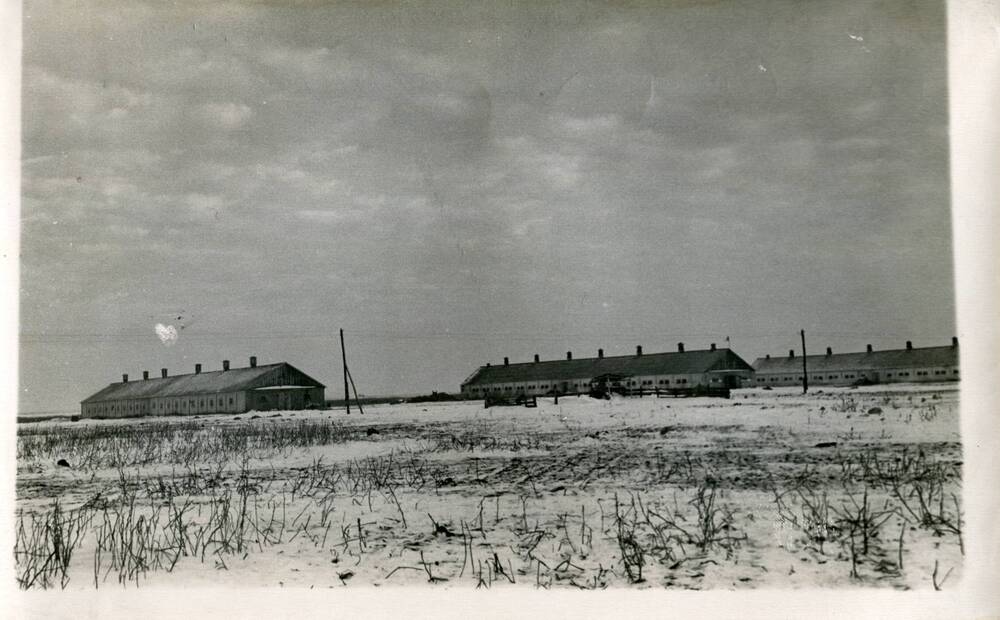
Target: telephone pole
[805,377]
[343,357]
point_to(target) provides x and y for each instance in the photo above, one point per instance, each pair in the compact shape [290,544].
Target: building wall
[582,384]
[930,374]
[229,402]
[198,404]
[295,399]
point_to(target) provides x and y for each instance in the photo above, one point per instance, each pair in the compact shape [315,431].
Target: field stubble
[769,489]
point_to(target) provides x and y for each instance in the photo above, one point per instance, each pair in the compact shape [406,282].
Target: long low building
[271,386]
[712,367]
[908,365]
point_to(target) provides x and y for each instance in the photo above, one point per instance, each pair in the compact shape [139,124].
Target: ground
[843,487]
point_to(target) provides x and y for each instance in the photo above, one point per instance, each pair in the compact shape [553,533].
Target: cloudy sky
[453,184]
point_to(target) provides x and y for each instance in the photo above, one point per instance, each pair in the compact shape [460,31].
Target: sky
[452,184]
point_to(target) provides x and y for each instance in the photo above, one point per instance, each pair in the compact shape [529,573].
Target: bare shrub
[44,545]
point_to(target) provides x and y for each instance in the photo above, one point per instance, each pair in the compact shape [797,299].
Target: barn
[712,367]
[230,390]
[907,365]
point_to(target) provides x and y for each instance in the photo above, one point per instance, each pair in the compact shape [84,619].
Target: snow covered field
[769,489]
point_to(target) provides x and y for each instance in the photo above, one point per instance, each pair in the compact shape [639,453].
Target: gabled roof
[213,382]
[876,360]
[677,363]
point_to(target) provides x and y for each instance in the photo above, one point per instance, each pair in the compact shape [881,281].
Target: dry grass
[452,511]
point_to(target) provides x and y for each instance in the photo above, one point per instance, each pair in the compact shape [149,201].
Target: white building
[711,367]
[909,365]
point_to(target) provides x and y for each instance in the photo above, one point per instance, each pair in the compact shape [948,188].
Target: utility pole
[343,357]
[805,377]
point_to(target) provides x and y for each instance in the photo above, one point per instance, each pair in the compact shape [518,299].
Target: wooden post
[343,357]
[357,399]
[805,375]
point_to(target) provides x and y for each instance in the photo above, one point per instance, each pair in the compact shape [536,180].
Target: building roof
[876,360]
[676,363]
[213,382]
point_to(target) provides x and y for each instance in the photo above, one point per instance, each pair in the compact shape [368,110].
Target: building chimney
[870,348]
[909,345]
[124,378]
[638,350]
[145,375]
[680,347]
[791,353]
[713,346]
[767,356]
[600,353]
[487,364]
[225,365]
[253,361]
[569,355]
[506,361]
[829,351]
[163,373]
[536,358]
[197,369]
[954,341]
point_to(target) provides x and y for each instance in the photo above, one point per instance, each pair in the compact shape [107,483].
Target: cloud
[202,204]
[166,333]
[228,116]
[490,169]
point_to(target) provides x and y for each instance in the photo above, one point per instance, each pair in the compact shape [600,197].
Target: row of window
[578,386]
[661,382]
[174,405]
[919,373]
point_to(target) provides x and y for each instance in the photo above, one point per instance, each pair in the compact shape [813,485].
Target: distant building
[262,388]
[682,369]
[909,365]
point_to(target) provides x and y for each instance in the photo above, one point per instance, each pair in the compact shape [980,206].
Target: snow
[525,497]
